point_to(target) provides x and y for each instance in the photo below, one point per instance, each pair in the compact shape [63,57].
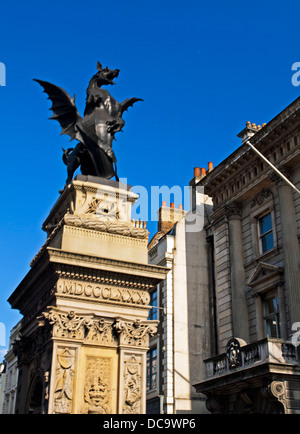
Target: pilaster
[290,245]
[238,280]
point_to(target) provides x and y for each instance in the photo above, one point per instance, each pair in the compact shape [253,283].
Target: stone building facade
[177,350]
[253,237]
[12,373]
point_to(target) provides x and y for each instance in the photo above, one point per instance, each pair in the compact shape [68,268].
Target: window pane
[265,224]
[272,318]
[272,328]
[266,233]
[271,305]
[267,242]
[152,369]
[148,370]
[153,302]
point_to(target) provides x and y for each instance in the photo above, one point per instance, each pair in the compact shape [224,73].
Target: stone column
[238,280]
[290,246]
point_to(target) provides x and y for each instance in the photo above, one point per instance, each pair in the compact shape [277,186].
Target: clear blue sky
[202,68]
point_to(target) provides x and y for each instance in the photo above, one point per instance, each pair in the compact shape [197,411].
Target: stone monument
[85,300]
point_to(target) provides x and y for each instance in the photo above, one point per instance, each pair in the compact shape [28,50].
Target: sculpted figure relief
[132,386]
[96,130]
[97,390]
[63,392]
[96,397]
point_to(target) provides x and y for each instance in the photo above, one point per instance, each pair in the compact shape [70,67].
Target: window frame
[276,315]
[150,374]
[259,211]
[262,235]
[153,310]
[267,282]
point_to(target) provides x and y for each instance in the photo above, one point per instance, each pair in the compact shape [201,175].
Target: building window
[153,304]
[152,368]
[265,232]
[271,315]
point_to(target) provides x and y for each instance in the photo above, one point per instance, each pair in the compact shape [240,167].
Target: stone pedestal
[85,303]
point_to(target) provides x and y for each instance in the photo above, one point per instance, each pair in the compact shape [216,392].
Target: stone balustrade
[268,350]
[139,224]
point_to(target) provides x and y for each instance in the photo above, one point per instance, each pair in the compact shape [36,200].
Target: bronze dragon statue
[95,131]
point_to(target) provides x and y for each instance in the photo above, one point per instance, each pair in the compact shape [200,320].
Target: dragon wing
[63,107]
[129,103]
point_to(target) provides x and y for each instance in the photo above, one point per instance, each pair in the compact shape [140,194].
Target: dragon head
[105,76]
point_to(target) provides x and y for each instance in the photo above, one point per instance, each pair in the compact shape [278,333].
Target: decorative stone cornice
[114,227]
[121,267]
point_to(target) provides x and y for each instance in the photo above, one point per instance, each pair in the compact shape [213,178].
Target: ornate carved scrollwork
[85,328]
[135,333]
[260,198]
[233,352]
[68,324]
[275,392]
[113,227]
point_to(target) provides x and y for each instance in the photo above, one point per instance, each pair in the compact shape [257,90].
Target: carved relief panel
[98,385]
[64,380]
[133,384]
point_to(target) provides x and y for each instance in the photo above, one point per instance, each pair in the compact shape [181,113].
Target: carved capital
[86,328]
[135,333]
[68,324]
[234,209]
[276,178]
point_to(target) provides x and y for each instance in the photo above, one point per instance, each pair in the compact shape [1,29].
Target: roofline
[281,117]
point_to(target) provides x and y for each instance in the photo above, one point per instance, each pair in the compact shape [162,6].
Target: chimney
[196,172]
[249,131]
[168,216]
[200,173]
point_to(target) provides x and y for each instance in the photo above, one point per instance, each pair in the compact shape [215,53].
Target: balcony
[267,351]
[247,375]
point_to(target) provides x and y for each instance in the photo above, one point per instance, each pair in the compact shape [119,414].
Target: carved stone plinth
[85,304]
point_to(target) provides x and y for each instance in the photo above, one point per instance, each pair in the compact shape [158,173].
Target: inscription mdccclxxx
[103,292]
